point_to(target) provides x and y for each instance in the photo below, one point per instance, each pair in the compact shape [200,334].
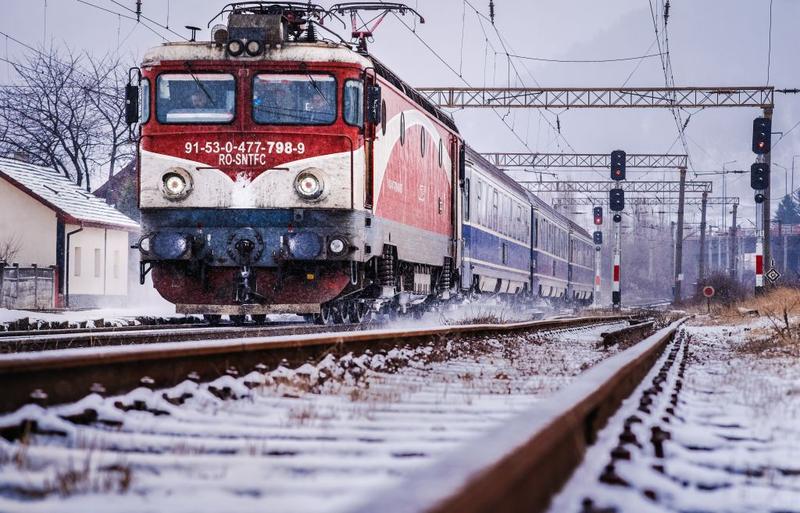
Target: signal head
[762,135]
[617,218]
[759,176]
[759,198]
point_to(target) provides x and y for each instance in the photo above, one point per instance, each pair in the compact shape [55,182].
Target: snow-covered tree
[788,211]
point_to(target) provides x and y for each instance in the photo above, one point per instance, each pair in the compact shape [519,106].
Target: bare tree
[9,248]
[66,112]
[109,76]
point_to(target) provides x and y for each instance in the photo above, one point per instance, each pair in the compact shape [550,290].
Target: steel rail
[54,377]
[521,465]
[104,329]
[51,342]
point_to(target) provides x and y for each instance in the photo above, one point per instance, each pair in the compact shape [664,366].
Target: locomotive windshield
[195,98]
[289,99]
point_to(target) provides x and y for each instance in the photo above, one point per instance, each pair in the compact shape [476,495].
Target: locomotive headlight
[235,47]
[176,184]
[253,48]
[308,185]
[337,246]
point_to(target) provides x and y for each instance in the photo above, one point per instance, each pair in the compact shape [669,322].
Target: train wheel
[212,319]
[238,320]
[325,315]
[339,313]
[259,318]
[358,312]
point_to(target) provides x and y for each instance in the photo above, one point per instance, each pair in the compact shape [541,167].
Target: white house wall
[26,220]
[106,246]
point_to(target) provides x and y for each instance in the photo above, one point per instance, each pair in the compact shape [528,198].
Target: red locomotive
[283,172]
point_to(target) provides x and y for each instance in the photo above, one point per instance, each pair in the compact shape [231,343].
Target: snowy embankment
[318,438]
[728,429]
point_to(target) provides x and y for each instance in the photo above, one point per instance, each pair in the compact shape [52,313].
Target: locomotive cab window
[144,101]
[294,99]
[199,98]
[353,104]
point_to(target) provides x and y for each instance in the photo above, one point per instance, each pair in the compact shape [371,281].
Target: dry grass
[779,303]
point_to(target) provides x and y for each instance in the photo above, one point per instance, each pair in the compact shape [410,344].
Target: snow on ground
[318,438]
[735,432]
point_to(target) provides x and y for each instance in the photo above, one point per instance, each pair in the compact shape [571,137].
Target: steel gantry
[639,187]
[584,160]
[762,97]
[600,97]
[644,201]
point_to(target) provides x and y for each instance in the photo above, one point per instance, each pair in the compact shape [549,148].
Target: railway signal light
[616,199]
[759,176]
[617,218]
[617,165]
[598,215]
[598,237]
[762,135]
[759,198]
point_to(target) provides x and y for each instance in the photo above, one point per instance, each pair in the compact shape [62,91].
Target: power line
[585,61]
[769,42]
[115,13]
[148,19]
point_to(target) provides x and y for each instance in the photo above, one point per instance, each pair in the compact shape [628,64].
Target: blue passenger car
[496,230]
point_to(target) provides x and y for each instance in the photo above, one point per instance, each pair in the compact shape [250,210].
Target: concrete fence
[27,287]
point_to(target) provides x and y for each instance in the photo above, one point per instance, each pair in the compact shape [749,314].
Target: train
[283,172]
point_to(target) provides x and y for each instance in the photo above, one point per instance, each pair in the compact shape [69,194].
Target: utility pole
[616,292]
[765,206]
[597,278]
[679,239]
[701,274]
[734,246]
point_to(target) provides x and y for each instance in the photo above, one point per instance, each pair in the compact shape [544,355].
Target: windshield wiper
[199,84]
[314,83]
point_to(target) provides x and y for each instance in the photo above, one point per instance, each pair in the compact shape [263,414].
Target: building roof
[72,203]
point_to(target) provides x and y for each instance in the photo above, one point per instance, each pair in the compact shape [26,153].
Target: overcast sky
[712,43]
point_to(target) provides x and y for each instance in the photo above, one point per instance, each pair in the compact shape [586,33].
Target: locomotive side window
[144,101]
[353,104]
[202,98]
[383,116]
[294,99]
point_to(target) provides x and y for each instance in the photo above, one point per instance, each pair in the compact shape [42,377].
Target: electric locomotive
[280,172]
[283,172]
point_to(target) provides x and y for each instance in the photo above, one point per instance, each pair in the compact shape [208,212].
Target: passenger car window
[294,99]
[199,98]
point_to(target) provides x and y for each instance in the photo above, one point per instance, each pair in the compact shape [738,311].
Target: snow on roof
[57,192]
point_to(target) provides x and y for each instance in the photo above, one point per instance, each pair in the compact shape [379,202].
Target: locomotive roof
[321,51]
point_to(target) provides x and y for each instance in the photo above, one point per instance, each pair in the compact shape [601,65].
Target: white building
[50,222]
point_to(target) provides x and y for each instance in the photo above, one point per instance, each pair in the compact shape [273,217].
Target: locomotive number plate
[245,153]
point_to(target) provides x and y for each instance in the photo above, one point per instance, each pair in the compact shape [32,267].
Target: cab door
[370,129]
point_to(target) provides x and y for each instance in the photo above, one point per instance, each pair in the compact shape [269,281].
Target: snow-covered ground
[318,438]
[734,432]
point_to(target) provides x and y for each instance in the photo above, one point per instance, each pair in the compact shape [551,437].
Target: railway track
[314,437]
[373,406]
